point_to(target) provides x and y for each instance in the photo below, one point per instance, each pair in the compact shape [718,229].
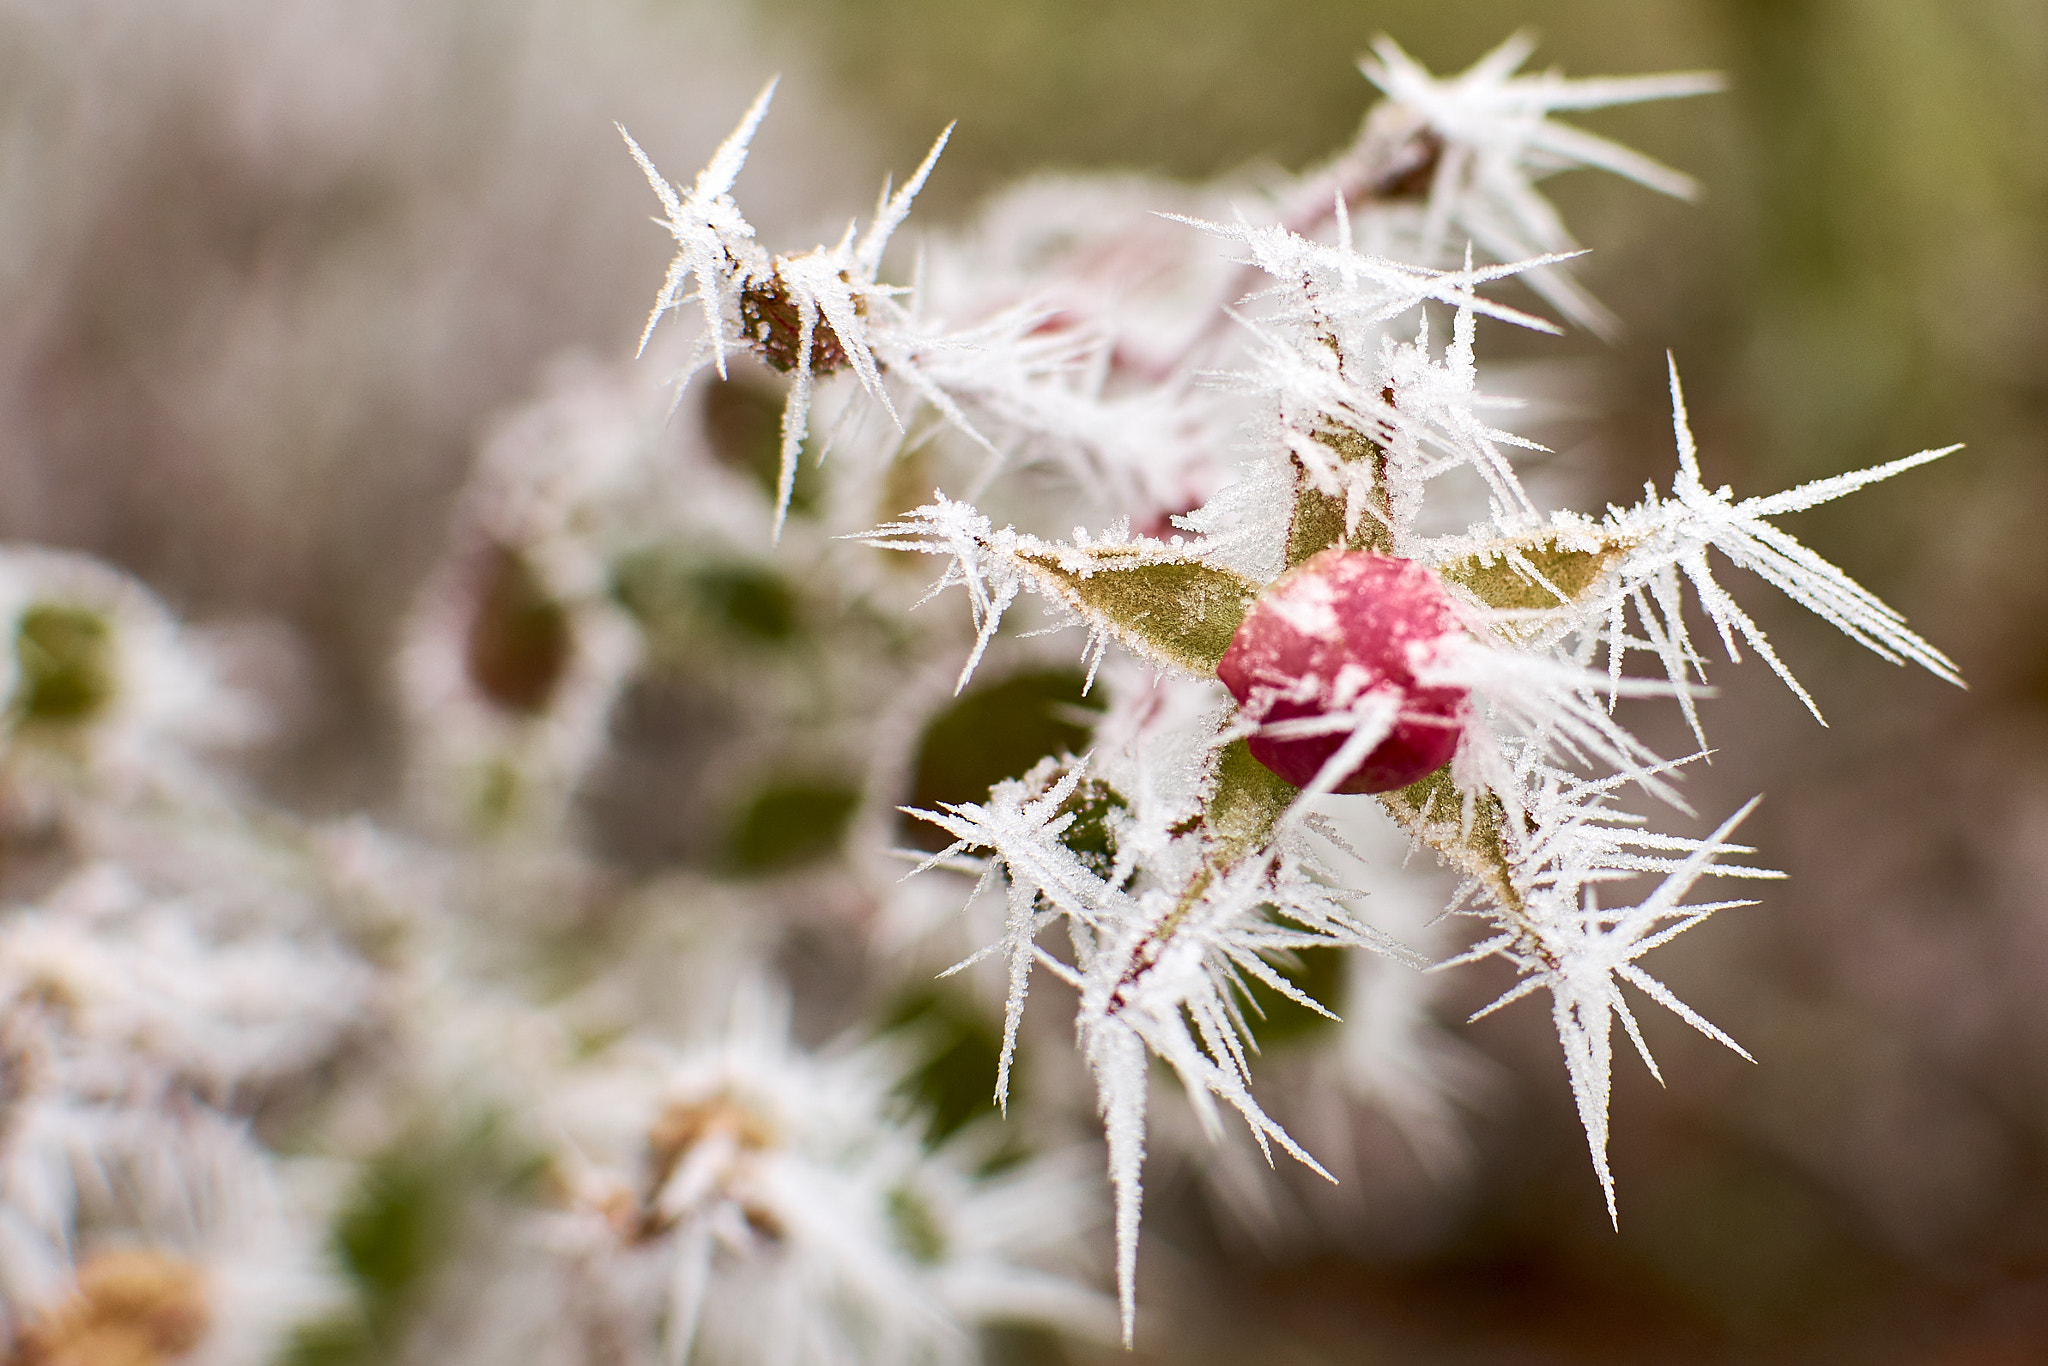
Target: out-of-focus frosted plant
[166,973]
[283,1089]
[179,983]
[1367,649]
[762,1201]
[105,696]
[174,1243]
[518,647]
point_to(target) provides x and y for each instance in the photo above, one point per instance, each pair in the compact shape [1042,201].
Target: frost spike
[700,220]
[723,169]
[796,417]
[1117,1057]
[1681,429]
[1827,490]
[1164,601]
[1498,139]
[890,216]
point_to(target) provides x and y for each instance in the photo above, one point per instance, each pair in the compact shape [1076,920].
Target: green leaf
[1318,521]
[1432,809]
[1494,577]
[1317,524]
[1246,803]
[1177,612]
[1249,799]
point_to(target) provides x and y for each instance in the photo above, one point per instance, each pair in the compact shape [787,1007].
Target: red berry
[1339,625]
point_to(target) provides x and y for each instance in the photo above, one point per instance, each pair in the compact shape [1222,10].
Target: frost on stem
[1163,943]
[814,313]
[1562,941]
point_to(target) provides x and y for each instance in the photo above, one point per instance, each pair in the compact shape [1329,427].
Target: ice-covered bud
[1322,640]
[773,321]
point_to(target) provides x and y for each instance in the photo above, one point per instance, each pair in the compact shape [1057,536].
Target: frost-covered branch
[1366,650]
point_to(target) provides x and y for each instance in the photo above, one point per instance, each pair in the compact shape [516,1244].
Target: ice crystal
[1162,943]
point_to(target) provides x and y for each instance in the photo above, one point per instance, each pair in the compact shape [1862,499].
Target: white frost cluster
[747,1200]
[151,1004]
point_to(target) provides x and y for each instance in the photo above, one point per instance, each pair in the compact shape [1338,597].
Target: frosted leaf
[1164,600]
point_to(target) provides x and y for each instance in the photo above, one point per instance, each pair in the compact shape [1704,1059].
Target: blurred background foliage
[249,340]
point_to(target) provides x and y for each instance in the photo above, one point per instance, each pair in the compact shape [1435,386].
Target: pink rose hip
[1340,625]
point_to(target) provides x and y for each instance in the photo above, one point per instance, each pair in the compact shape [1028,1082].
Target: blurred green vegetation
[789,824]
[1188,87]
[958,1049]
[65,675]
[682,602]
[399,1227]
[743,419]
[1276,1019]
[995,730]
